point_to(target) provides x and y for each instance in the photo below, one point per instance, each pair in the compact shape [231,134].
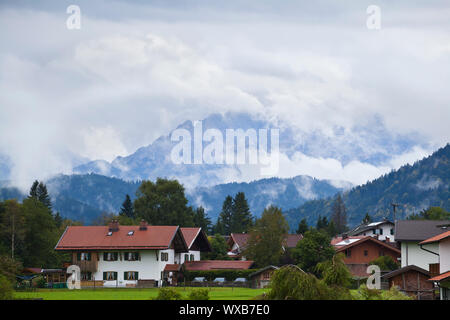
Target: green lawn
[133,294]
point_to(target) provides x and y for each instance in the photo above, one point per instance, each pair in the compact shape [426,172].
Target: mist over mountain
[414,187]
[362,153]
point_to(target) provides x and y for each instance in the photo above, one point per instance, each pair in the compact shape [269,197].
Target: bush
[6,288]
[168,294]
[200,294]
[386,263]
[291,283]
[364,293]
[394,294]
[39,282]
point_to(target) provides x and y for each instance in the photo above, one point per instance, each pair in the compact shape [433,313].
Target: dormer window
[130,233]
[109,233]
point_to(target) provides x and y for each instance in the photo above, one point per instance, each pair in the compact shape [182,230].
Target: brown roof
[418,230]
[217,265]
[172,267]
[368,238]
[441,277]
[406,269]
[241,239]
[349,239]
[292,240]
[190,234]
[96,237]
[437,238]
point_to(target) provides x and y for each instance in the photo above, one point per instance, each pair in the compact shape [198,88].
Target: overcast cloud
[137,69]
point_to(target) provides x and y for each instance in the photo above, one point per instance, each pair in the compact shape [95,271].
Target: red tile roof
[95,237]
[217,264]
[437,238]
[368,238]
[172,267]
[292,240]
[189,235]
[441,277]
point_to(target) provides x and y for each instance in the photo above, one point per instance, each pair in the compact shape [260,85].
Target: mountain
[284,193]
[414,187]
[370,143]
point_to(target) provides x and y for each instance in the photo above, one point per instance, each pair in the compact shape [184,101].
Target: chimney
[344,236]
[114,226]
[143,225]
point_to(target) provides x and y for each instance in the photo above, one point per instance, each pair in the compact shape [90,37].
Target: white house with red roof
[120,256]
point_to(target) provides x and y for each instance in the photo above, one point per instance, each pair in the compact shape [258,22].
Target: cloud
[136,70]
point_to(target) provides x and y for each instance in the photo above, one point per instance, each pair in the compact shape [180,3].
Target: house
[409,233]
[413,281]
[121,256]
[359,253]
[440,271]
[238,241]
[197,242]
[261,278]
[383,230]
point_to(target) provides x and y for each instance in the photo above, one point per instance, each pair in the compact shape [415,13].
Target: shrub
[200,294]
[335,272]
[394,294]
[364,293]
[6,288]
[39,282]
[386,263]
[168,294]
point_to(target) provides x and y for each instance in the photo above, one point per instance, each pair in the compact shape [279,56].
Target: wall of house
[180,257]
[149,267]
[373,251]
[444,255]
[386,232]
[412,254]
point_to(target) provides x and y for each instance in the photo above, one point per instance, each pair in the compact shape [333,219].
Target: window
[110,256]
[164,256]
[130,233]
[366,253]
[381,231]
[132,256]
[85,276]
[192,257]
[109,275]
[392,231]
[348,252]
[84,256]
[374,231]
[381,253]
[186,257]
[130,275]
[109,233]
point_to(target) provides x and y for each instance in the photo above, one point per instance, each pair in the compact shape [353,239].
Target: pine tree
[302,227]
[58,220]
[43,196]
[224,221]
[367,219]
[339,215]
[127,208]
[241,219]
[201,219]
[33,190]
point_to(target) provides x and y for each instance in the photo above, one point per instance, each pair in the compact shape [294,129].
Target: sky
[137,69]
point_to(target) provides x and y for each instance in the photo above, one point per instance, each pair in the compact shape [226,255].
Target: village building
[121,256]
[413,281]
[237,243]
[382,230]
[261,278]
[409,233]
[440,271]
[360,252]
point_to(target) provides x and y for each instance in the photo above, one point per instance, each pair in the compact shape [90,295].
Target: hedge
[228,274]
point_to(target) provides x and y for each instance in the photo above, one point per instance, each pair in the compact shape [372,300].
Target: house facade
[409,233]
[442,269]
[382,230]
[197,242]
[121,256]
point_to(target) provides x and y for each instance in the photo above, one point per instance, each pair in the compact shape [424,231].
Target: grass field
[133,294]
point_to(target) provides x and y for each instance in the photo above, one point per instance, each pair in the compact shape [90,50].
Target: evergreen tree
[127,208]
[302,226]
[367,219]
[224,221]
[241,218]
[33,190]
[201,219]
[43,196]
[219,249]
[58,220]
[339,215]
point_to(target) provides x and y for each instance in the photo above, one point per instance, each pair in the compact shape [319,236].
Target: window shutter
[116,256]
[104,276]
[136,274]
[136,256]
[125,275]
[79,256]
[89,256]
[105,256]
[115,275]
